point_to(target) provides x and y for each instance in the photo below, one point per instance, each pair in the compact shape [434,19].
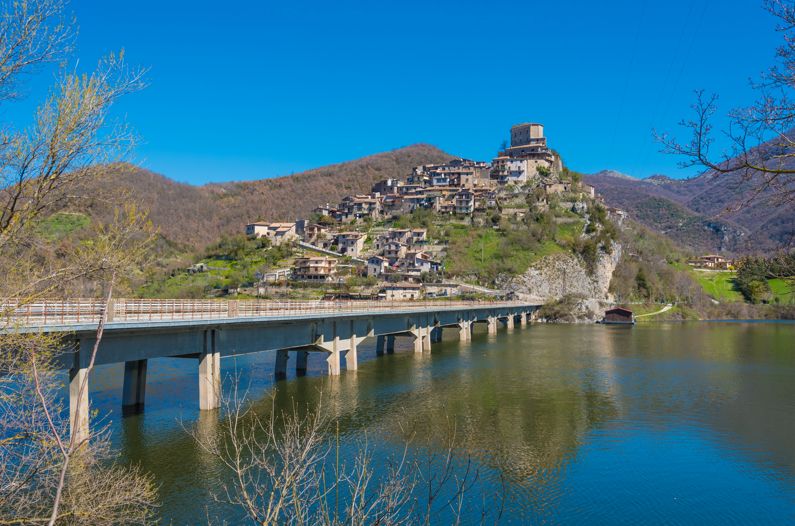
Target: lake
[669,423]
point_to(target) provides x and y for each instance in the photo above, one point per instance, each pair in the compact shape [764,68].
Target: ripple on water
[669,424]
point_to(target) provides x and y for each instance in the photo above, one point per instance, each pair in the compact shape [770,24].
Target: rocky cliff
[566,275]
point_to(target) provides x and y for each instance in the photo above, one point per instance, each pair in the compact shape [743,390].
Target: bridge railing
[78,311]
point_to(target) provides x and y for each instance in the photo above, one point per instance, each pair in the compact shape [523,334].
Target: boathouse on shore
[618,315]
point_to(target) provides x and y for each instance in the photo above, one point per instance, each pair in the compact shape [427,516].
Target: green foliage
[361,281]
[651,269]
[588,249]
[720,285]
[236,247]
[419,218]
[232,262]
[560,310]
[61,224]
[571,175]
[753,274]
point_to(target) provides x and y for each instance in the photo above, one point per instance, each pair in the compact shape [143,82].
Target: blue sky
[259,89]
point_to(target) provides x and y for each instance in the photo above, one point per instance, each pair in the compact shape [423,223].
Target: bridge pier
[282,357]
[390,344]
[379,345]
[416,336]
[301,359]
[436,335]
[509,322]
[134,390]
[523,319]
[352,355]
[78,404]
[210,373]
[426,338]
[492,325]
[464,330]
[333,359]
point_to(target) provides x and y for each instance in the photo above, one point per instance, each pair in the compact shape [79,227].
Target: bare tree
[761,147]
[47,474]
[284,468]
[279,467]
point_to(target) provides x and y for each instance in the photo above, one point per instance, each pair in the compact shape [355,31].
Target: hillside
[656,206]
[198,215]
[702,213]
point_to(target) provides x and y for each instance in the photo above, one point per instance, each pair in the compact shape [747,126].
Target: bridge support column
[416,336]
[134,390]
[426,338]
[333,359]
[390,344]
[492,325]
[301,359]
[379,345]
[352,356]
[509,322]
[282,357]
[78,404]
[464,330]
[436,335]
[210,373]
[523,319]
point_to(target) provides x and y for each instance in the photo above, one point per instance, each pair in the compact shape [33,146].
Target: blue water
[682,423]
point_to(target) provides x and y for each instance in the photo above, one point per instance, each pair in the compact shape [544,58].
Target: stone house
[712,262]
[350,243]
[401,292]
[377,266]
[557,187]
[278,233]
[394,250]
[315,269]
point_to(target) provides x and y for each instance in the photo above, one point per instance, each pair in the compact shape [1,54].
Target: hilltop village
[413,238]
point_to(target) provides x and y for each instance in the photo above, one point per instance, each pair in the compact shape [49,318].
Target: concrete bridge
[208,330]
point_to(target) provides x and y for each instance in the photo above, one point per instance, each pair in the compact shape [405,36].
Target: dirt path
[664,309]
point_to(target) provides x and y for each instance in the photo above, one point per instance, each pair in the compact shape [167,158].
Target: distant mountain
[613,173]
[197,215]
[659,179]
[703,212]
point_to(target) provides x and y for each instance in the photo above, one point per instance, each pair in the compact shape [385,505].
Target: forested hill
[699,212]
[197,215]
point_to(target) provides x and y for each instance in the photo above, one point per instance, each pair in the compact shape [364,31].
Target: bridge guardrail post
[111,311]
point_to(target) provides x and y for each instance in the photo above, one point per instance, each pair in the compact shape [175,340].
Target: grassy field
[222,273]
[782,292]
[488,252]
[61,224]
[719,285]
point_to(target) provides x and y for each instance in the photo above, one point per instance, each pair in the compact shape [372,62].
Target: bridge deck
[83,315]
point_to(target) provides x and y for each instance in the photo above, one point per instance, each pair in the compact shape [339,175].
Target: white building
[278,233]
[401,291]
[464,202]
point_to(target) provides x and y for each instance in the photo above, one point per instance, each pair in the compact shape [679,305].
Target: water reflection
[562,413]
